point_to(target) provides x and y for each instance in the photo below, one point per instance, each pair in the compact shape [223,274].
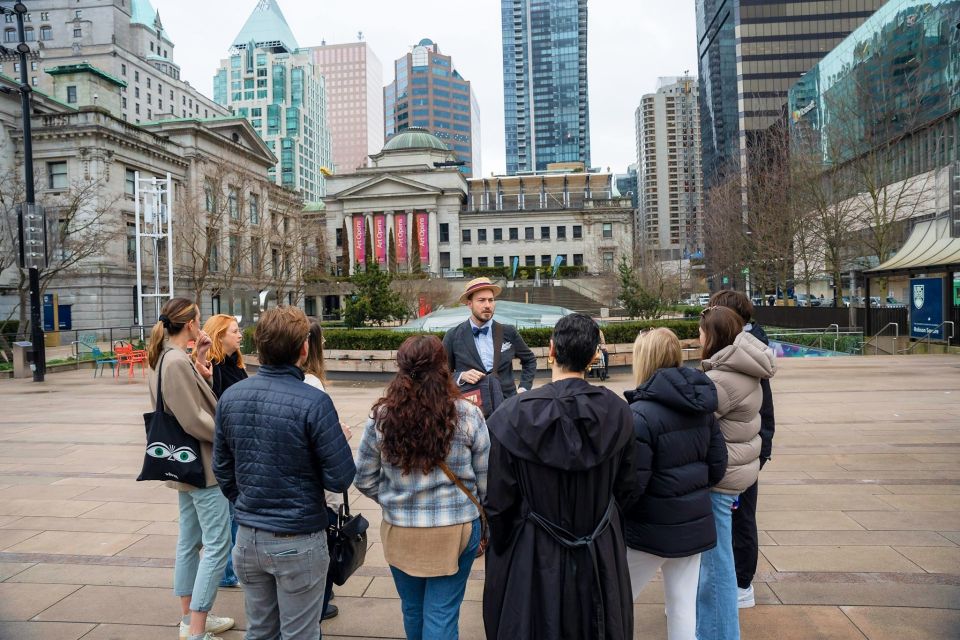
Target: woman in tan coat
[204,511]
[736,362]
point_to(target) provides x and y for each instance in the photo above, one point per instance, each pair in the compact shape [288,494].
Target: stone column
[348,218]
[434,240]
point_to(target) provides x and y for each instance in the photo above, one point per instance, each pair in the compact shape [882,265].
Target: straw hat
[476,285]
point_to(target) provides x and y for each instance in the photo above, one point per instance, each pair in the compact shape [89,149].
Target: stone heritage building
[234,233]
[403,197]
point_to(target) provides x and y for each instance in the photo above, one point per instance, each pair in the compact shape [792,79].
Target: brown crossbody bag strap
[483,514]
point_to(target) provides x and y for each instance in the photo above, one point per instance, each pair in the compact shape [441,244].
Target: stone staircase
[556,296]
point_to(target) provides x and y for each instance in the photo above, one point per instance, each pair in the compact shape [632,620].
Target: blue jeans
[229,576]
[204,524]
[717,613]
[431,606]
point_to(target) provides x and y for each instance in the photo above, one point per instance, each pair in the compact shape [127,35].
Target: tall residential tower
[429,93]
[545,101]
[670,178]
[354,82]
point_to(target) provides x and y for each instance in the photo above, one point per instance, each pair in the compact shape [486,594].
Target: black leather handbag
[172,453]
[347,542]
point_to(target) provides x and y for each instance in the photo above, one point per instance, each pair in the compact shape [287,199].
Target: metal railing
[928,337]
[896,336]
[818,335]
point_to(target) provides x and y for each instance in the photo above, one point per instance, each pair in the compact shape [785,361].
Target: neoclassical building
[413,192]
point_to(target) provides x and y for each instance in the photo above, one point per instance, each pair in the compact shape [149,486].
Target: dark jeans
[745,537]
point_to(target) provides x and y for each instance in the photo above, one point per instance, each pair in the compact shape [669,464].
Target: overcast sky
[631,43]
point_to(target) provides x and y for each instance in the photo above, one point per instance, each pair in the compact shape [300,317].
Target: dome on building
[426,42]
[414,138]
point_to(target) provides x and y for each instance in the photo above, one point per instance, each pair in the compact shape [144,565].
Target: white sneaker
[215,624]
[745,598]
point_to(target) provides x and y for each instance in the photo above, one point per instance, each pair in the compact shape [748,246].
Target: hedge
[524,272]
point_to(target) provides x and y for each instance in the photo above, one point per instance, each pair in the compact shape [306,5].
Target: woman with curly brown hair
[423,458]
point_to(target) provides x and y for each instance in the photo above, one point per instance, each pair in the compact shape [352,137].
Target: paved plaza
[859,513]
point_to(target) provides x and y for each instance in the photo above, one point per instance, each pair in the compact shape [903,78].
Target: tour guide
[481,351]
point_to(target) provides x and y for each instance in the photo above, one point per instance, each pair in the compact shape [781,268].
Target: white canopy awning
[928,248]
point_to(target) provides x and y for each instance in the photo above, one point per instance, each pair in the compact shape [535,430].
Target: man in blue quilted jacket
[278,445]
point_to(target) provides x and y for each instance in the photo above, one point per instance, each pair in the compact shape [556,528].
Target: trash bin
[23,359]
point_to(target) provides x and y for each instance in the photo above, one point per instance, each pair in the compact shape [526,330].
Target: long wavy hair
[417,414]
[314,363]
[215,327]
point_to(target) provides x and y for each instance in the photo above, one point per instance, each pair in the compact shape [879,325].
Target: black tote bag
[172,453]
[347,542]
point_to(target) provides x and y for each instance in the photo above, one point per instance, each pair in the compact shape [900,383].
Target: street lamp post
[28,214]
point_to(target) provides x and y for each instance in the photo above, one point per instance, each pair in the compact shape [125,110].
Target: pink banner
[380,238]
[359,253]
[400,223]
[423,236]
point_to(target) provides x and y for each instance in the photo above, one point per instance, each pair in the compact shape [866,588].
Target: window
[481,235]
[130,182]
[232,206]
[78,32]
[607,229]
[136,92]
[44,15]
[563,258]
[578,259]
[483,262]
[467,263]
[78,13]
[10,35]
[528,233]
[530,261]
[57,175]
[561,233]
[214,261]
[215,305]
[71,95]
[498,261]
[46,33]
[123,69]
[577,232]
[497,235]
[444,232]
[608,260]
[514,233]
[209,197]
[545,261]
[131,242]
[234,246]
[29,35]
[136,76]
[254,209]
[255,255]
[465,235]
[275,262]
[544,233]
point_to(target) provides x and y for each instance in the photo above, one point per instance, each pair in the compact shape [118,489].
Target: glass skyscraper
[750,53]
[546,112]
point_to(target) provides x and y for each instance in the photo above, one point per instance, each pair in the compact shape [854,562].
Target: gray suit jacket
[462,355]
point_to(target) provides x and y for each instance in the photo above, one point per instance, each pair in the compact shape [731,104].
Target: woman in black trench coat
[561,465]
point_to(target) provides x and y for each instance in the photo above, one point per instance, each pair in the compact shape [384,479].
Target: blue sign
[926,308]
[556,266]
[48,312]
[516,264]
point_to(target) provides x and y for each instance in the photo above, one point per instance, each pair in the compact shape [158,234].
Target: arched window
[10,35]
[29,35]
[46,33]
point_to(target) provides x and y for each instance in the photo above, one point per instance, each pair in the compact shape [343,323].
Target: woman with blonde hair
[204,513]
[681,455]
[227,369]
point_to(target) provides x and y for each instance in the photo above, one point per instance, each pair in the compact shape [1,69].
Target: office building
[429,93]
[750,53]
[353,77]
[545,99]
[124,40]
[271,81]
[670,178]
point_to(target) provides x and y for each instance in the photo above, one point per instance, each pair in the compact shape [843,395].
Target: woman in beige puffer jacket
[736,362]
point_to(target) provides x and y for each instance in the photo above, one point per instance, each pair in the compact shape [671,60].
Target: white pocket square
[505,346]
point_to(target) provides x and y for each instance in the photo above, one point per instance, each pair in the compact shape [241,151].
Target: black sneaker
[331,612]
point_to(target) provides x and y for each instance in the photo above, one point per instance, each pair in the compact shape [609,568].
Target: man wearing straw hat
[481,351]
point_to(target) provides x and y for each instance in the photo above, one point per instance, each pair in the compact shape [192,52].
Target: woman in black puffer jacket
[682,454]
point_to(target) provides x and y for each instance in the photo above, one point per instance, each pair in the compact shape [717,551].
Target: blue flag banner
[926,308]
[556,266]
[516,265]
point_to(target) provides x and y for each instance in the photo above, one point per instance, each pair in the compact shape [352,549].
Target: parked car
[703,299]
[893,302]
[803,300]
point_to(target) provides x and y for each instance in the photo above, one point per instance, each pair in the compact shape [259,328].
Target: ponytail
[174,315]
[155,347]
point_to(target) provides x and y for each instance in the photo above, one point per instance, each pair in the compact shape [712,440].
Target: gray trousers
[283,581]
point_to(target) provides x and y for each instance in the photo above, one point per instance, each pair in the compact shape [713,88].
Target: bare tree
[87,219]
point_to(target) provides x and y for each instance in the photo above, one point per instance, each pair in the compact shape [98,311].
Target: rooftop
[415,138]
[65,69]
[266,27]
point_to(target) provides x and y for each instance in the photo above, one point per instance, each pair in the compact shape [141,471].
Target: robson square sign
[926,308]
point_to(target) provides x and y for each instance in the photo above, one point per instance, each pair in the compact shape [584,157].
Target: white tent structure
[520,315]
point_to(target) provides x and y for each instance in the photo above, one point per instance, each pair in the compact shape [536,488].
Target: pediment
[241,132]
[388,186]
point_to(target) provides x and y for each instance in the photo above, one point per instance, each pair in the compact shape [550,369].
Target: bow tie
[480,330]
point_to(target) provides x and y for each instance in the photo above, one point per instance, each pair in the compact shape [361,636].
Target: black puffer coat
[278,445]
[681,454]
